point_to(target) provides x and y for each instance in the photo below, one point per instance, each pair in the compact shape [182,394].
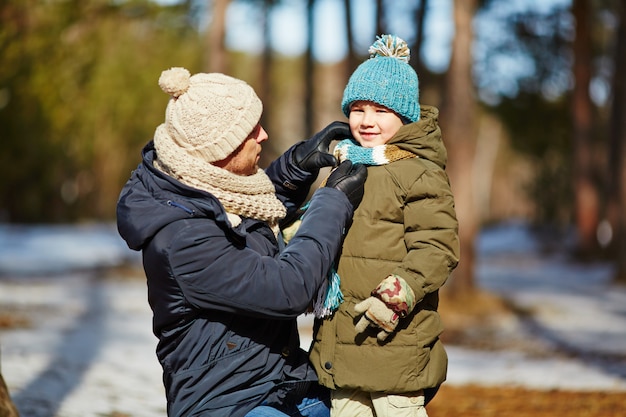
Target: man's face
[245,159]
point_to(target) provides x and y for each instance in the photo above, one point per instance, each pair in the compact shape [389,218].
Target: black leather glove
[312,154]
[349,179]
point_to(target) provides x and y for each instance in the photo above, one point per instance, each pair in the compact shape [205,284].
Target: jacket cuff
[396,294]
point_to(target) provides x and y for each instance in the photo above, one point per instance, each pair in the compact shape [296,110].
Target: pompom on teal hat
[386,78]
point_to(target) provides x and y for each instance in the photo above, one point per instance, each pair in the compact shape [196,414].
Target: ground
[470,322]
[473,401]
[481,313]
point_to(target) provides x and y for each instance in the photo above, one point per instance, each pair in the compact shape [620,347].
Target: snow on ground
[575,311]
[89,349]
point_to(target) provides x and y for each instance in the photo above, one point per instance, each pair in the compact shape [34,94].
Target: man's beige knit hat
[207,117]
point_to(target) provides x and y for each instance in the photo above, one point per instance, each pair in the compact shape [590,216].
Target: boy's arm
[431,234]
[431,238]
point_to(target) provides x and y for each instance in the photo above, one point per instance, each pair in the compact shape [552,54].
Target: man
[224,291]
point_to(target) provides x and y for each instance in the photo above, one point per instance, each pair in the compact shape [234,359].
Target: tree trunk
[379,18]
[309,73]
[215,59]
[416,49]
[586,193]
[459,126]
[618,150]
[7,407]
[351,62]
[265,86]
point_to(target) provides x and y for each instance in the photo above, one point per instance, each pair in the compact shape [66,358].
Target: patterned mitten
[391,300]
[377,314]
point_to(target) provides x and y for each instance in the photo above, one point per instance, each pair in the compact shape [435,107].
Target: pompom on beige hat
[208,116]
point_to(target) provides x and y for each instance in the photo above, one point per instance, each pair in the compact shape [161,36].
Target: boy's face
[372,124]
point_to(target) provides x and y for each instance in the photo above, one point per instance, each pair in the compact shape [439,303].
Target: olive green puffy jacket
[405,225]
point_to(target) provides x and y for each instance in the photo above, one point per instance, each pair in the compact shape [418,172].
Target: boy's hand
[377,314]
[312,154]
[391,299]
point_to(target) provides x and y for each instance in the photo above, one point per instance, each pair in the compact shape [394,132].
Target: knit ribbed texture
[208,116]
[349,149]
[386,78]
[252,196]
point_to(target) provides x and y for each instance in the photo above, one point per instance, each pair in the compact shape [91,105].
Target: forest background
[532,105]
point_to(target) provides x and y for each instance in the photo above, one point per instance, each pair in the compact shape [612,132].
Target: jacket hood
[423,138]
[150,200]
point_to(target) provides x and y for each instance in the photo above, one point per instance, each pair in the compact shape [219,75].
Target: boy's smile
[372,124]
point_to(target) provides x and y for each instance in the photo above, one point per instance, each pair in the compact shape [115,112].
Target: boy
[380,351]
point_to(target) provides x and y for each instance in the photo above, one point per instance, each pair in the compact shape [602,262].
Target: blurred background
[532,99]
[531,96]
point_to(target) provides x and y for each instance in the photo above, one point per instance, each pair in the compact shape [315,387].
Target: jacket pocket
[406,400]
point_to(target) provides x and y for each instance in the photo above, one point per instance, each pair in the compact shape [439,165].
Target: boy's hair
[386,78]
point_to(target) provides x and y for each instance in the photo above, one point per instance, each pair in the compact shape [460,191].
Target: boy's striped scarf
[330,297]
[378,155]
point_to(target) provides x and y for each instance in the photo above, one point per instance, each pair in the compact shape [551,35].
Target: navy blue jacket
[225,300]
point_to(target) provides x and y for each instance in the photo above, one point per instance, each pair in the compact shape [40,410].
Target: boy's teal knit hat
[385,78]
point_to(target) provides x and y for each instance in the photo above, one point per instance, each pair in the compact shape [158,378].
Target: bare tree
[265,86]
[7,407]
[379,15]
[309,72]
[351,61]
[617,149]
[459,131]
[216,58]
[416,48]
[586,193]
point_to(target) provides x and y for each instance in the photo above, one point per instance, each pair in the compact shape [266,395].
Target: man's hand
[349,179]
[312,154]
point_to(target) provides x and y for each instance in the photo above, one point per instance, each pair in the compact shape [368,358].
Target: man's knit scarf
[330,297]
[252,196]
